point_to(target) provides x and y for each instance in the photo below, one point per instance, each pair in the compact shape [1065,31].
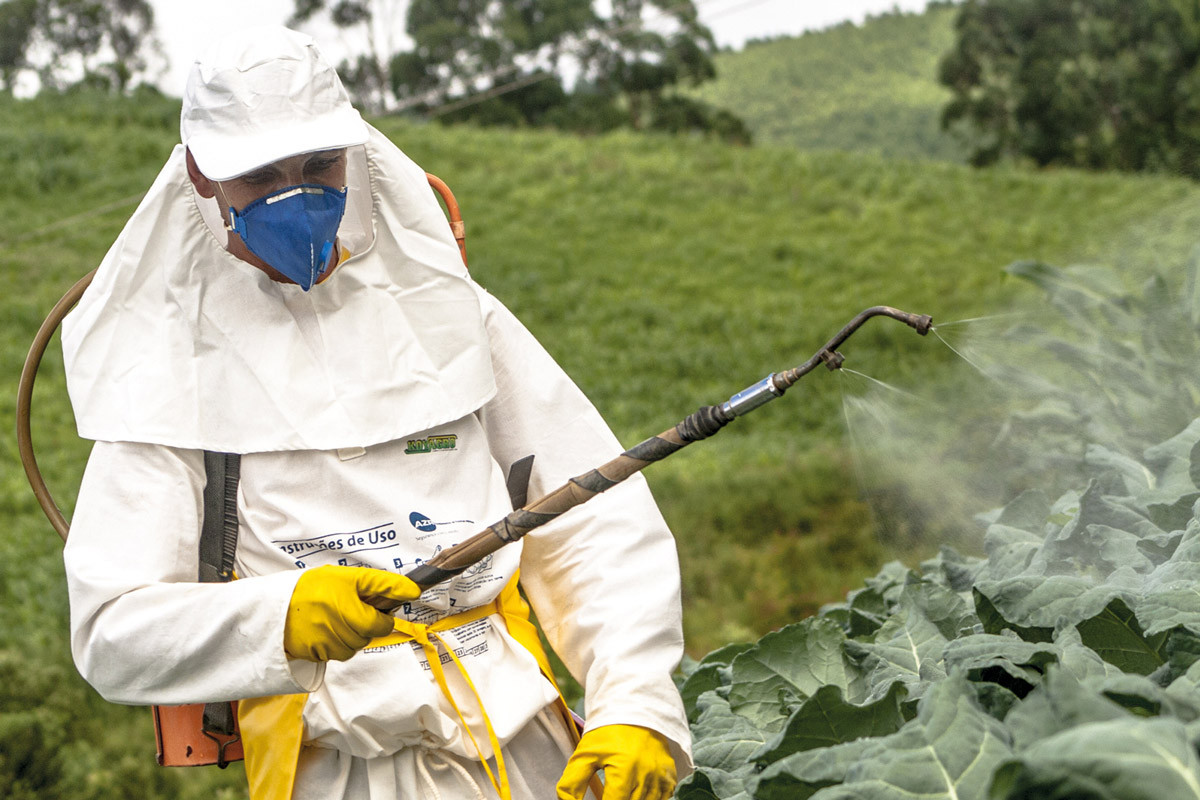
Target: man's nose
[292,176]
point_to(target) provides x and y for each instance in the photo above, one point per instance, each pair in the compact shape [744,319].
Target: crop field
[663,274]
[1063,662]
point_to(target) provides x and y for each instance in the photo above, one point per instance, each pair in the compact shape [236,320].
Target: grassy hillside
[870,88]
[662,274]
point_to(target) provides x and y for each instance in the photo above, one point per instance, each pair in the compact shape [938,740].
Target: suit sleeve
[604,577]
[143,630]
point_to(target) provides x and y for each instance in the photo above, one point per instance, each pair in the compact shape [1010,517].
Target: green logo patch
[432,444]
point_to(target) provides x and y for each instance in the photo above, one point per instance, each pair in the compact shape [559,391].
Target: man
[288,290]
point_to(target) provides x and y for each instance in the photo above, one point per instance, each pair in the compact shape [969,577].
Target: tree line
[582,65]
[508,63]
[1096,84]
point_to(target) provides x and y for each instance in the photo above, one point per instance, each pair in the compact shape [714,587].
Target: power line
[83,215]
[526,80]
[495,91]
[738,8]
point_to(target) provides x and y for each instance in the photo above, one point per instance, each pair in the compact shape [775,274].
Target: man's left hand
[636,761]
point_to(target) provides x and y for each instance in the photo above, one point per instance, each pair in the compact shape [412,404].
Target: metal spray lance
[700,425]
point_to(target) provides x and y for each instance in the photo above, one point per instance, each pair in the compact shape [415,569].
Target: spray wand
[700,425]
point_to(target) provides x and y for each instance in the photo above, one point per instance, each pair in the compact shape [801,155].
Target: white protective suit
[378,415]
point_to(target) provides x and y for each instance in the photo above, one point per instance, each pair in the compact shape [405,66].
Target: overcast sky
[184,28]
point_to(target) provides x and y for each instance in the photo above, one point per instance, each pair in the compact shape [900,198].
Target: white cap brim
[222,156]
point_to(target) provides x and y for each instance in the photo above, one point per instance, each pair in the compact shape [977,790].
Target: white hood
[178,342]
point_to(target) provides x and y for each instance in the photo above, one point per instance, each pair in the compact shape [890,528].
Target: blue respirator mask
[293,230]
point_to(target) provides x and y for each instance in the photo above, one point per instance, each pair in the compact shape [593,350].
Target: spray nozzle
[832,359]
[922,323]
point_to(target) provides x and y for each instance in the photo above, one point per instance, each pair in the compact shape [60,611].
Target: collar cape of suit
[178,342]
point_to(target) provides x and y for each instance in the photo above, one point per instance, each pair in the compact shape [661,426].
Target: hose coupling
[752,397]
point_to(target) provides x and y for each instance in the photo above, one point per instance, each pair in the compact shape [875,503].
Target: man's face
[324,167]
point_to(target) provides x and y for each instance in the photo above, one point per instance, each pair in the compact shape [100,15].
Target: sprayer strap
[218,547]
[219,532]
[518,481]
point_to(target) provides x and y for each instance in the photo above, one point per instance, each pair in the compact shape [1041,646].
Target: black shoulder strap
[219,532]
[218,546]
[518,481]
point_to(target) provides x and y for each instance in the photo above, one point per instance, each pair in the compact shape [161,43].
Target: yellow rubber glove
[331,616]
[636,761]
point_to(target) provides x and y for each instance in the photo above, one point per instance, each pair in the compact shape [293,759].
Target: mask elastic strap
[229,226]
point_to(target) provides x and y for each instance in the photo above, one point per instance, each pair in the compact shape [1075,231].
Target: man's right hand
[330,616]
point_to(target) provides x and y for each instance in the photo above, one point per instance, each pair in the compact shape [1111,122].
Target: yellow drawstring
[426,636]
[272,727]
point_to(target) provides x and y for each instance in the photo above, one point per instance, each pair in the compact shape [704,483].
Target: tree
[374,23]
[642,64]
[105,43]
[502,62]
[17,19]
[1101,84]
[455,47]
[483,47]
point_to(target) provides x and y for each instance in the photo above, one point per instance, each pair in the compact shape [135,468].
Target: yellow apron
[272,727]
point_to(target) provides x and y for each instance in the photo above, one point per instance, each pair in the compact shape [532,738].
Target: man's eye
[257,177]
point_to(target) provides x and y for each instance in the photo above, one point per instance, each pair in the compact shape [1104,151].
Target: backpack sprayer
[700,425]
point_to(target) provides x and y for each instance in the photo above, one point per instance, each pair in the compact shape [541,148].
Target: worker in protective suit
[289,290]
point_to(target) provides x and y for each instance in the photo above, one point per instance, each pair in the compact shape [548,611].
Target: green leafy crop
[1064,664]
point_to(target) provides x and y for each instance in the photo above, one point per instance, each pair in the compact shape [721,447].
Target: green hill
[871,88]
[662,273]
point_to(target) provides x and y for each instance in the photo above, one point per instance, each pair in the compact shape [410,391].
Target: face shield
[355,233]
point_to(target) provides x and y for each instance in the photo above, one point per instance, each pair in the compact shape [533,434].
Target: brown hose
[25,397]
[55,317]
[457,226]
